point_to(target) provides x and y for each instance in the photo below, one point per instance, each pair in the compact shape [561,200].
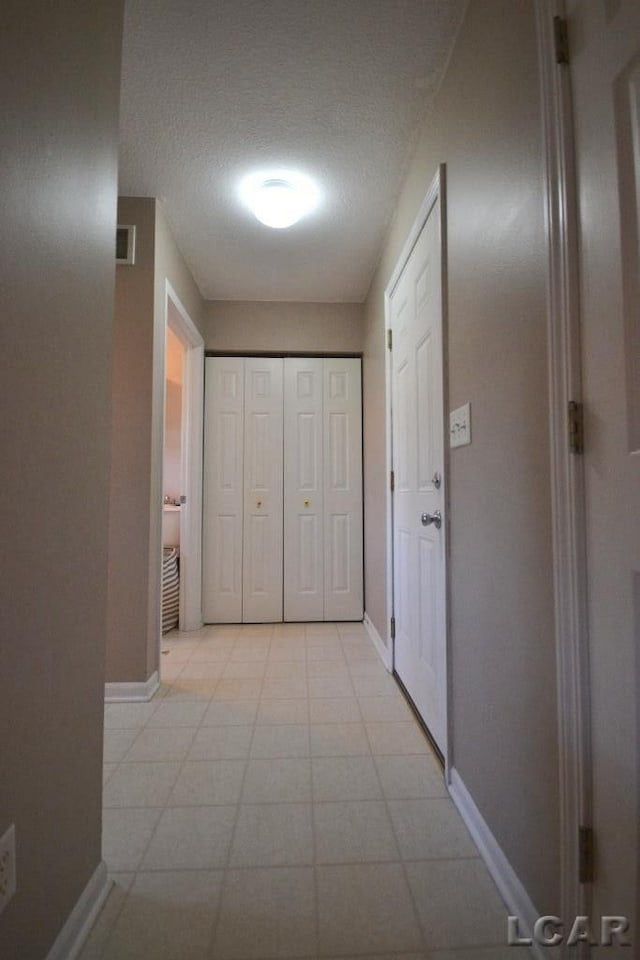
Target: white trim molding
[567,480]
[517,901]
[74,933]
[136,692]
[383,650]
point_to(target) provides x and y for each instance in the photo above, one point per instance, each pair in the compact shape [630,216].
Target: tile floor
[277,799]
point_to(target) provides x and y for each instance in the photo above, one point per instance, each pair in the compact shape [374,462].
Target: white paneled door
[342,489]
[262,548]
[418,500]
[303,489]
[223,493]
[283,490]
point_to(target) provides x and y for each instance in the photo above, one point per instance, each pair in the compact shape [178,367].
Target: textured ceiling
[215,89]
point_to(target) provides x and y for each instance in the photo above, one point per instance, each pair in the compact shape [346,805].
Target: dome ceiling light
[279,198]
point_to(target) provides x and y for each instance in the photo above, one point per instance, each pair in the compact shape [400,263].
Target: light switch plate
[460,426]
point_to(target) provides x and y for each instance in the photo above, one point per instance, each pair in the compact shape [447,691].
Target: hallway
[278,799]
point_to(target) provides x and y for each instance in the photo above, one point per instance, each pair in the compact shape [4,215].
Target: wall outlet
[460,426]
[7,866]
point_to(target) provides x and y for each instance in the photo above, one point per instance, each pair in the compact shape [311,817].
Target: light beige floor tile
[178,714]
[250,651]
[141,785]
[238,689]
[284,689]
[283,711]
[338,740]
[334,710]
[355,630]
[125,835]
[353,832]
[117,743]
[430,829]
[277,781]
[324,631]
[324,650]
[191,838]
[182,689]
[385,709]
[221,743]
[293,649]
[123,716]
[368,668]
[161,743]
[268,912]
[285,740]
[327,668]
[244,669]
[344,778]
[382,685]
[358,649]
[396,738]
[202,670]
[273,835]
[217,650]
[107,770]
[168,915]
[222,713]
[458,903]
[171,671]
[286,669]
[204,783]
[411,776]
[177,649]
[365,908]
[326,688]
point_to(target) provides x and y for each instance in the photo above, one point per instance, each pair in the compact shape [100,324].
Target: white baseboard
[132,692]
[71,938]
[512,891]
[381,647]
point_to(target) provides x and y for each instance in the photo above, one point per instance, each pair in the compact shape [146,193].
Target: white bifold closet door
[283,490]
[323,489]
[242,528]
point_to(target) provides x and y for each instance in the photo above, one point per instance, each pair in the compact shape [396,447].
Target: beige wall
[486,127]
[244,326]
[60,93]
[131,449]
[138,404]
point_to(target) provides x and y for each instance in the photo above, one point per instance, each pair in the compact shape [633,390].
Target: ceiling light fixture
[279,198]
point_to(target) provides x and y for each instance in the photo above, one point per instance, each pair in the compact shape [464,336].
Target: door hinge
[561,39]
[392,481]
[585,854]
[576,427]
[390,339]
[392,629]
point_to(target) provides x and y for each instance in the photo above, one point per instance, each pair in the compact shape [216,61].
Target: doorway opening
[183,368]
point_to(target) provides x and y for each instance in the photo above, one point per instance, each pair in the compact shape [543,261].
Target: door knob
[307,502]
[434,518]
[258,503]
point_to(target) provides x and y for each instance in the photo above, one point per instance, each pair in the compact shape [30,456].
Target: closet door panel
[263,486]
[343,580]
[223,490]
[303,490]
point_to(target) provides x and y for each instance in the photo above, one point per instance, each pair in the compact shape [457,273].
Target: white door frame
[436,191]
[567,471]
[191,468]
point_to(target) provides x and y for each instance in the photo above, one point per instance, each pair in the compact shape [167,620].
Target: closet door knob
[307,502]
[258,503]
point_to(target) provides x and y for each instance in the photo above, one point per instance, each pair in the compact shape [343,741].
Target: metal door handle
[435,518]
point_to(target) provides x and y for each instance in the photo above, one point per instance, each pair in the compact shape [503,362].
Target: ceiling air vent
[125,244]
